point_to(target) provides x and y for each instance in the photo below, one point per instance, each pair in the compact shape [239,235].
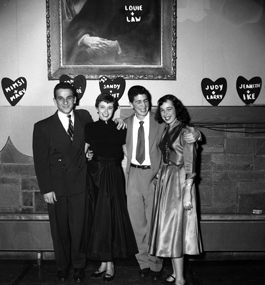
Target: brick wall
[231,173]
[232,169]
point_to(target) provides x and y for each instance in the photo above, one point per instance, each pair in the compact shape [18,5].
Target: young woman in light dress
[174,228]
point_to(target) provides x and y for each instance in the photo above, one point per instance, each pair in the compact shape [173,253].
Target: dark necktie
[70,130]
[140,149]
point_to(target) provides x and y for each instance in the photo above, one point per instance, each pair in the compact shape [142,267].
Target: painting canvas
[134,39]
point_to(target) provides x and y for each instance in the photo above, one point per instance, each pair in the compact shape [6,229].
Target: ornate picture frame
[121,40]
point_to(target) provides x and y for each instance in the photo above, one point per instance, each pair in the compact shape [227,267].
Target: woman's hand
[187,198]
[89,154]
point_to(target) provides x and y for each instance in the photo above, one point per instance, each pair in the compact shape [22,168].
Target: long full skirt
[174,231]
[111,234]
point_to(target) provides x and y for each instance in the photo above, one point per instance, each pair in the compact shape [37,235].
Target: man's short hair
[64,85]
[138,89]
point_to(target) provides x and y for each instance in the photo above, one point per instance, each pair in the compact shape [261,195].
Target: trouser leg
[77,204]
[67,223]
[58,215]
[140,202]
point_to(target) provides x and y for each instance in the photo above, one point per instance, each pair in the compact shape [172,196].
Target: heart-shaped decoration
[134,13]
[114,87]
[14,90]
[214,92]
[79,83]
[248,91]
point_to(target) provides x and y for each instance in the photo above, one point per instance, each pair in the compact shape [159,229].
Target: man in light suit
[140,176]
[60,166]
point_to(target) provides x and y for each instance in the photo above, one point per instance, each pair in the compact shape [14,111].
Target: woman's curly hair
[181,111]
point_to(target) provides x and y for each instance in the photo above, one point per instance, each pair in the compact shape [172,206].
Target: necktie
[140,149]
[70,130]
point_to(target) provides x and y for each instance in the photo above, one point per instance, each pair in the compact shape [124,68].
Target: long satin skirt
[174,231]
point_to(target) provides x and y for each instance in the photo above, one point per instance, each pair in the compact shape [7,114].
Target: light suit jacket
[155,134]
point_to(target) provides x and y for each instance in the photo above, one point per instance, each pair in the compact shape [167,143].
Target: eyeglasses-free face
[65,100]
[140,105]
[105,110]
[168,112]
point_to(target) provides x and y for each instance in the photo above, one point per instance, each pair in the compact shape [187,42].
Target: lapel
[78,130]
[129,137]
[58,130]
[61,140]
[153,131]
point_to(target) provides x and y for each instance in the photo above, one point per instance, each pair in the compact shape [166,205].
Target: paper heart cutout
[79,83]
[115,87]
[248,91]
[134,14]
[214,92]
[14,90]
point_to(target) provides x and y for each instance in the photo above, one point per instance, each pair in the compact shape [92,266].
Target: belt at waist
[108,160]
[169,162]
[141,166]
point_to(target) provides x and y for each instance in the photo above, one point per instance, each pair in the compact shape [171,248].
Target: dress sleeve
[123,136]
[189,157]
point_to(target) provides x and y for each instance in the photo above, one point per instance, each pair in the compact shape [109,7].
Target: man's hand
[192,135]
[121,124]
[50,198]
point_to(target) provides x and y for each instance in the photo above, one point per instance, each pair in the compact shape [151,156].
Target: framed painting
[133,39]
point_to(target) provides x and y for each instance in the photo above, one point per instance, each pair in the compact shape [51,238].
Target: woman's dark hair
[138,89]
[106,97]
[181,111]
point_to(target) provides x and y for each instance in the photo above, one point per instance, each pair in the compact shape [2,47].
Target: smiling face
[140,105]
[105,110]
[168,112]
[64,100]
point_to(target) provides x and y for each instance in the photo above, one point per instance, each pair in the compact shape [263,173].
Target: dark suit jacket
[155,134]
[60,164]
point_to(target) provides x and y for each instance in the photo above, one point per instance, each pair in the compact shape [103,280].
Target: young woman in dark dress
[111,234]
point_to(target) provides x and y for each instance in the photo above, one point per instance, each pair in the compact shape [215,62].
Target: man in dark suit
[140,175]
[60,166]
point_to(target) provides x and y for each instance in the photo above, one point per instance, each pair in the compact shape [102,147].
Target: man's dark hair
[64,85]
[136,90]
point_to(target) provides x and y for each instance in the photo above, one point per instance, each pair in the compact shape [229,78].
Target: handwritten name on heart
[133,13]
[248,90]
[114,87]
[214,92]
[79,83]
[14,90]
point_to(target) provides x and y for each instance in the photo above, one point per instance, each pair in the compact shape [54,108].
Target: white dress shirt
[146,125]
[65,120]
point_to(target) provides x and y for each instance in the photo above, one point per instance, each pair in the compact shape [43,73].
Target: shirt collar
[146,118]
[63,116]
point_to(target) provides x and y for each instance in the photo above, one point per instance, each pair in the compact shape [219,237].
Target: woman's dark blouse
[105,139]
